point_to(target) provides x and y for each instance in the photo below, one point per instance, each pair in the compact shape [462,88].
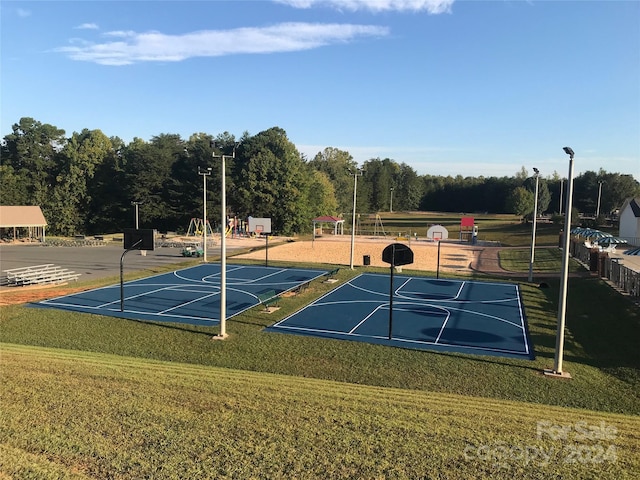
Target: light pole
[391,202]
[223,243]
[204,172]
[533,231]
[136,205]
[562,306]
[561,188]
[357,173]
[599,196]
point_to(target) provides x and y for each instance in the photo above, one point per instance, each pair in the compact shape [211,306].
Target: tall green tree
[32,151]
[109,205]
[79,158]
[338,165]
[148,169]
[321,195]
[377,183]
[408,189]
[273,181]
[520,202]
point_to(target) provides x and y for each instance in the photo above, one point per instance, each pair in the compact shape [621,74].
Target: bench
[301,288]
[268,299]
[331,275]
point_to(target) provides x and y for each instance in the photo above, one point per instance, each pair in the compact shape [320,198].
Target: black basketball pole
[393,257]
[132,247]
[438,266]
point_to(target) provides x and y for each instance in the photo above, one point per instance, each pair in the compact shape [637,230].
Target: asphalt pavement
[95,262]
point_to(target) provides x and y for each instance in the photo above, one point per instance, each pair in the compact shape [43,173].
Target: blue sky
[448,87]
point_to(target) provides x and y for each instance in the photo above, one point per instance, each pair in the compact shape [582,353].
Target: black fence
[611,268]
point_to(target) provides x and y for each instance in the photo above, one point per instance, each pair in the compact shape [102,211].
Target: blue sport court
[189,296]
[481,318]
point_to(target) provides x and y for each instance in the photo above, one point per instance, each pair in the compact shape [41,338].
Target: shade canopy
[597,235]
[608,241]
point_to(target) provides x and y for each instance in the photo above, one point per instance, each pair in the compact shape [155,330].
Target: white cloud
[136,47]
[22,13]
[87,26]
[433,7]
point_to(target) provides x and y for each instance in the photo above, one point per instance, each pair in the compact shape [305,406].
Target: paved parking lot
[101,261]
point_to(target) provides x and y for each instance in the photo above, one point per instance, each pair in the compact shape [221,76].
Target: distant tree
[408,189]
[322,195]
[14,187]
[148,168]
[544,195]
[615,189]
[32,151]
[520,202]
[109,207]
[79,158]
[338,165]
[273,181]
[376,184]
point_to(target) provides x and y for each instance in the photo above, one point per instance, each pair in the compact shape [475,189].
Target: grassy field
[87,396]
[506,229]
[103,416]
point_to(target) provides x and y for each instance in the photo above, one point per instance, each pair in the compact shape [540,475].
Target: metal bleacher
[38,275]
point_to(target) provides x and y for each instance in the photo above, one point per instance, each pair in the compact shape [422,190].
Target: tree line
[87,182]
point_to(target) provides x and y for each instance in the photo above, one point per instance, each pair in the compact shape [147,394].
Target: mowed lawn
[70,414]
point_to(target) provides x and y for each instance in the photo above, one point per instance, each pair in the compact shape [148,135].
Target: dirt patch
[36,293]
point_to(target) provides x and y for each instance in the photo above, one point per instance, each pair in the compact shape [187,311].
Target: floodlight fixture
[568,151]
[536,170]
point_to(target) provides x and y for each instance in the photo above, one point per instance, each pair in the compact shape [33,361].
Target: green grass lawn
[103,416]
[89,396]
[546,260]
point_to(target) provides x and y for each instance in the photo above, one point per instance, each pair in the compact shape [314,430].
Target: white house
[630,220]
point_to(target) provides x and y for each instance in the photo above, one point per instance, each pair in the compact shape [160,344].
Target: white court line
[419,303]
[162,312]
[366,318]
[398,339]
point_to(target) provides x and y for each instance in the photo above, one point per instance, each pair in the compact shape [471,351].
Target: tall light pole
[561,188]
[357,173]
[204,172]
[562,306]
[223,239]
[391,202]
[533,230]
[599,196]
[136,205]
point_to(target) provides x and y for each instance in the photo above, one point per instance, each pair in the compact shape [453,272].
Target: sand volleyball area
[454,257]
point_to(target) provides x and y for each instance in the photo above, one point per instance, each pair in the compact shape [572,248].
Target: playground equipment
[379,227]
[468,230]
[196,228]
